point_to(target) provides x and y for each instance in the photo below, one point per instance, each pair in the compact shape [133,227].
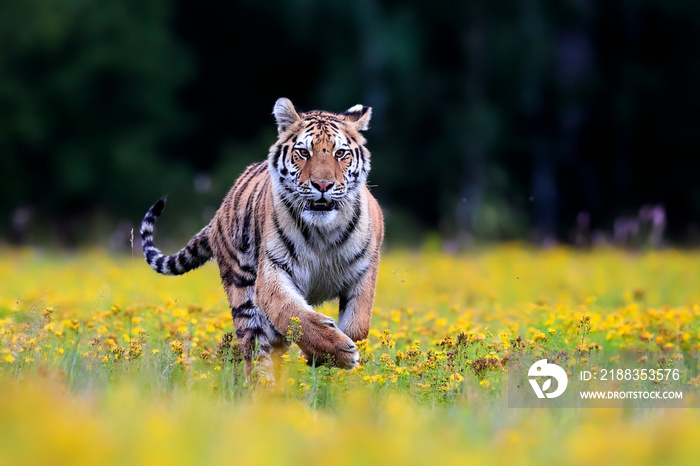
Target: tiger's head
[319,163]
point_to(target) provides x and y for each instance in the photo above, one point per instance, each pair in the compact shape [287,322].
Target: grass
[102,360]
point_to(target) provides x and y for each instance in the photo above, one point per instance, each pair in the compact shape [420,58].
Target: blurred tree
[493,120]
[87,97]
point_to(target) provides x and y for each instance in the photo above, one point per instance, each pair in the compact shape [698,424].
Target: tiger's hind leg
[259,341]
[238,280]
[256,334]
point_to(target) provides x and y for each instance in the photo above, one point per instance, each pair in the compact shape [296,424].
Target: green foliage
[493,120]
[87,91]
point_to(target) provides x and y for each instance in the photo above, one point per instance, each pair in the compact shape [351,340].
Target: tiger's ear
[359,116]
[285,114]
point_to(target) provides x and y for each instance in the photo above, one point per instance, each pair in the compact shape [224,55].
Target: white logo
[541,368]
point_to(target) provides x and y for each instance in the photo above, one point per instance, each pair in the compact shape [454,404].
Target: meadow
[103,361]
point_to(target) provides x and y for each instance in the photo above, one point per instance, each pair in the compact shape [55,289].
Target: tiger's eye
[304,152]
[340,153]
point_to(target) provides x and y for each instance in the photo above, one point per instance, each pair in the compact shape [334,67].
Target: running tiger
[294,231]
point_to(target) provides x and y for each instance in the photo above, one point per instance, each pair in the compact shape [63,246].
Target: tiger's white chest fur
[322,277]
[328,258]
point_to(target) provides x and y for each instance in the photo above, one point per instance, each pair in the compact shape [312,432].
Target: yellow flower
[177,347]
[386,340]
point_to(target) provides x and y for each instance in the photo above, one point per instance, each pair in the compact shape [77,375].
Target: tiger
[294,231]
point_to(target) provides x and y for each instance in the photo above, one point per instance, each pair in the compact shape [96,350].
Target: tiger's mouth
[321,205]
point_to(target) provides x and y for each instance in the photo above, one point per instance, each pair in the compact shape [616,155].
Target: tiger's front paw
[322,342]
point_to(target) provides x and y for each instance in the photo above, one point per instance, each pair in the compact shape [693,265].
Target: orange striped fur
[296,230]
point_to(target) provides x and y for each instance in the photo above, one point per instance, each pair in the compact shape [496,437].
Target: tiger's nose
[322,185]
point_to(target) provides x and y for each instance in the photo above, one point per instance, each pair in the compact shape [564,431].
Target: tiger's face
[319,162]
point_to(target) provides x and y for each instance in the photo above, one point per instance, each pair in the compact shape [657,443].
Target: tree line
[492,120]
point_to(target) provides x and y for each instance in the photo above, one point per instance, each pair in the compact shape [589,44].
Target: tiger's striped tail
[195,254]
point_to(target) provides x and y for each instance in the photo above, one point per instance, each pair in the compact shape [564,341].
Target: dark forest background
[573,121]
